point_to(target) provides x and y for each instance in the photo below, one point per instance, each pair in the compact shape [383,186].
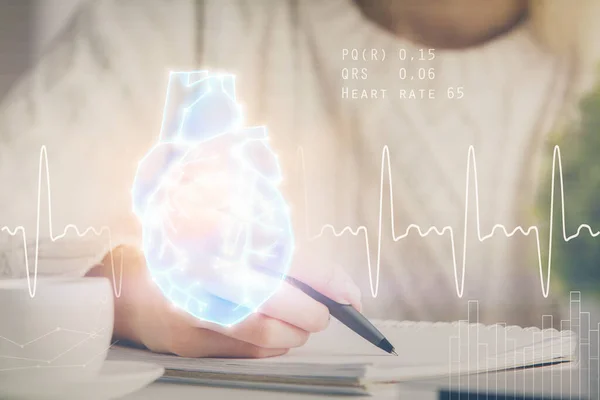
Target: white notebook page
[436,348]
[424,350]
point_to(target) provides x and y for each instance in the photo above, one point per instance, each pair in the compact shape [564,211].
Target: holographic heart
[207,196]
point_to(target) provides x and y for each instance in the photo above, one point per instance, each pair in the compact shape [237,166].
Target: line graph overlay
[81,338]
[385,173]
[440,231]
[20,230]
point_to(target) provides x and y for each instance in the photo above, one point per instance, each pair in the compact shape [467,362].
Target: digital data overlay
[207,196]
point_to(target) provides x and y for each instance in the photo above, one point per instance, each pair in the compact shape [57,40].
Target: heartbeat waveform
[374,283]
[471,161]
[32,283]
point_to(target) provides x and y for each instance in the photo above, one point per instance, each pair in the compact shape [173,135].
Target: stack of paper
[339,361]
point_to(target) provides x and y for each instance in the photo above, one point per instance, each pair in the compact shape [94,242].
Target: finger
[178,335]
[329,279]
[266,332]
[287,304]
[291,305]
[200,342]
[258,329]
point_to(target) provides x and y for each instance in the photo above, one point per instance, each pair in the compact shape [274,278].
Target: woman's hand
[144,316]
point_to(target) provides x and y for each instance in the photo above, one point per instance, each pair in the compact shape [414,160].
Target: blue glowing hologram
[207,196]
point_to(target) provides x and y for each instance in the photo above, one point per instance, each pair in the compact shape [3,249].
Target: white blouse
[95,102]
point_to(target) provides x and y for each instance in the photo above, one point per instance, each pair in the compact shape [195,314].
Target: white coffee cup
[62,332]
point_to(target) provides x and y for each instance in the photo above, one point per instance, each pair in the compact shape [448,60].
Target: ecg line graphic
[32,283]
[373,281]
[471,161]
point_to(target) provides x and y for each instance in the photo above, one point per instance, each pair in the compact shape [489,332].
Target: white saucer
[115,379]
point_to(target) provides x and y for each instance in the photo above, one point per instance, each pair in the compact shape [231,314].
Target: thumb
[329,279]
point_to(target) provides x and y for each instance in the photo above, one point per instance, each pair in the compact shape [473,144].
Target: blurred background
[27,27]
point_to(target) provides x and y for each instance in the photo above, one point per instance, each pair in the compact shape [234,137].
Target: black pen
[344,313]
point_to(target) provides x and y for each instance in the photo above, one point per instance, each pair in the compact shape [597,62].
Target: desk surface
[570,382]
[163,391]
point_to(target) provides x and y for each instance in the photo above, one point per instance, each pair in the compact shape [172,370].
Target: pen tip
[394,352]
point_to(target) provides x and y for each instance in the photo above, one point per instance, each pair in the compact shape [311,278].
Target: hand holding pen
[285,321]
[347,314]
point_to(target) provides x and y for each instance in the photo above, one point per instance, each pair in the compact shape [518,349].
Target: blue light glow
[207,196]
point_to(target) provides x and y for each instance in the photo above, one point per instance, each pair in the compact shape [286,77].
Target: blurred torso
[291,77]
[288,59]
